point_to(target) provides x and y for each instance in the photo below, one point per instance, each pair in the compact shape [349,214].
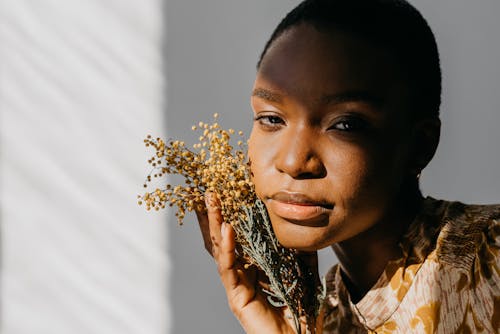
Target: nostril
[308,168]
[304,176]
[298,153]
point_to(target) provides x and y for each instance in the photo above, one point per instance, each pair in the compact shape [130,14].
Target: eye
[269,121]
[349,124]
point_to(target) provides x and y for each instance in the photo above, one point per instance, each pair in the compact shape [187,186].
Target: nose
[298,155]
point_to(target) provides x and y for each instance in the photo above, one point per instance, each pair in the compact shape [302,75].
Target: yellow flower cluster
[213,164]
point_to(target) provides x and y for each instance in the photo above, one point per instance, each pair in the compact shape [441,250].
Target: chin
[303,246]
[302,238]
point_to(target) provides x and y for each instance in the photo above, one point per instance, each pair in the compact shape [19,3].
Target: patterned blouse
[448,280]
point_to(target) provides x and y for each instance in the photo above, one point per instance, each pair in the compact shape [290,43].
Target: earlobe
[426,135]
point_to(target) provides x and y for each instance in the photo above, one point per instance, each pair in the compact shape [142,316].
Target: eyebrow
[267,95]
[352,96]
[338,98]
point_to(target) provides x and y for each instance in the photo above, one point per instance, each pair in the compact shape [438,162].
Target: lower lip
[296,211]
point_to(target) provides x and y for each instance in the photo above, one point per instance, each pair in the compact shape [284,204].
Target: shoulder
[468,262]
[466,231]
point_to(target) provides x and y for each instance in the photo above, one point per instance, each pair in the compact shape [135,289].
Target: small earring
[418,175]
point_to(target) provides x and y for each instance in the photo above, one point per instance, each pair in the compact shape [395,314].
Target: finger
[240,283]
[214,221]
[205,230]
[227,258]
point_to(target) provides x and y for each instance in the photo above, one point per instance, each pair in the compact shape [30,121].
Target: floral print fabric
[447,281]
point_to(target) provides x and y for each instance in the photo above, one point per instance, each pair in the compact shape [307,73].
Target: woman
[346,108]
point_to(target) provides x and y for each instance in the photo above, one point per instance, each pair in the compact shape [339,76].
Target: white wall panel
[81,84]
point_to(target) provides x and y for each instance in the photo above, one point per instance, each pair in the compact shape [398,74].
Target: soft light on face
[329,145]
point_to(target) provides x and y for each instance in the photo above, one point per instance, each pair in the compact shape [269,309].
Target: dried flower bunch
[214,165]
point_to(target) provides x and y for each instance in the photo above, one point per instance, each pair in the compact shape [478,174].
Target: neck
[364,257]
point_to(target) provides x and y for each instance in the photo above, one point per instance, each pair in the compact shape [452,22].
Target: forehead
[306,63]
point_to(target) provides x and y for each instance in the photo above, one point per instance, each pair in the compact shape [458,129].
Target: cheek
[375,185]
[349,172]
[260,154]
[359,177]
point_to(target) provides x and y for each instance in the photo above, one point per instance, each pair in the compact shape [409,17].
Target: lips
[297,206]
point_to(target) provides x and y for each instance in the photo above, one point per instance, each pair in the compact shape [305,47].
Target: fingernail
[223,229]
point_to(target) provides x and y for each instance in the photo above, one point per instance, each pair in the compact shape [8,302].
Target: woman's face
[330,144]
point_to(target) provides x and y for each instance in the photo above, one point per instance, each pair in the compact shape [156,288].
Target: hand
[243,286]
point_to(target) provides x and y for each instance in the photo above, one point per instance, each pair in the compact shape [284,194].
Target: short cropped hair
[393,24]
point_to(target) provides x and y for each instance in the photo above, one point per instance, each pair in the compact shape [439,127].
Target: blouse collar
[384,298]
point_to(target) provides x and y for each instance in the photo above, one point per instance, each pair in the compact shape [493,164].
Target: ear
[426,134]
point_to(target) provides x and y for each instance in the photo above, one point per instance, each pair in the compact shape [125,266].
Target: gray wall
[467,164]
[211,51]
